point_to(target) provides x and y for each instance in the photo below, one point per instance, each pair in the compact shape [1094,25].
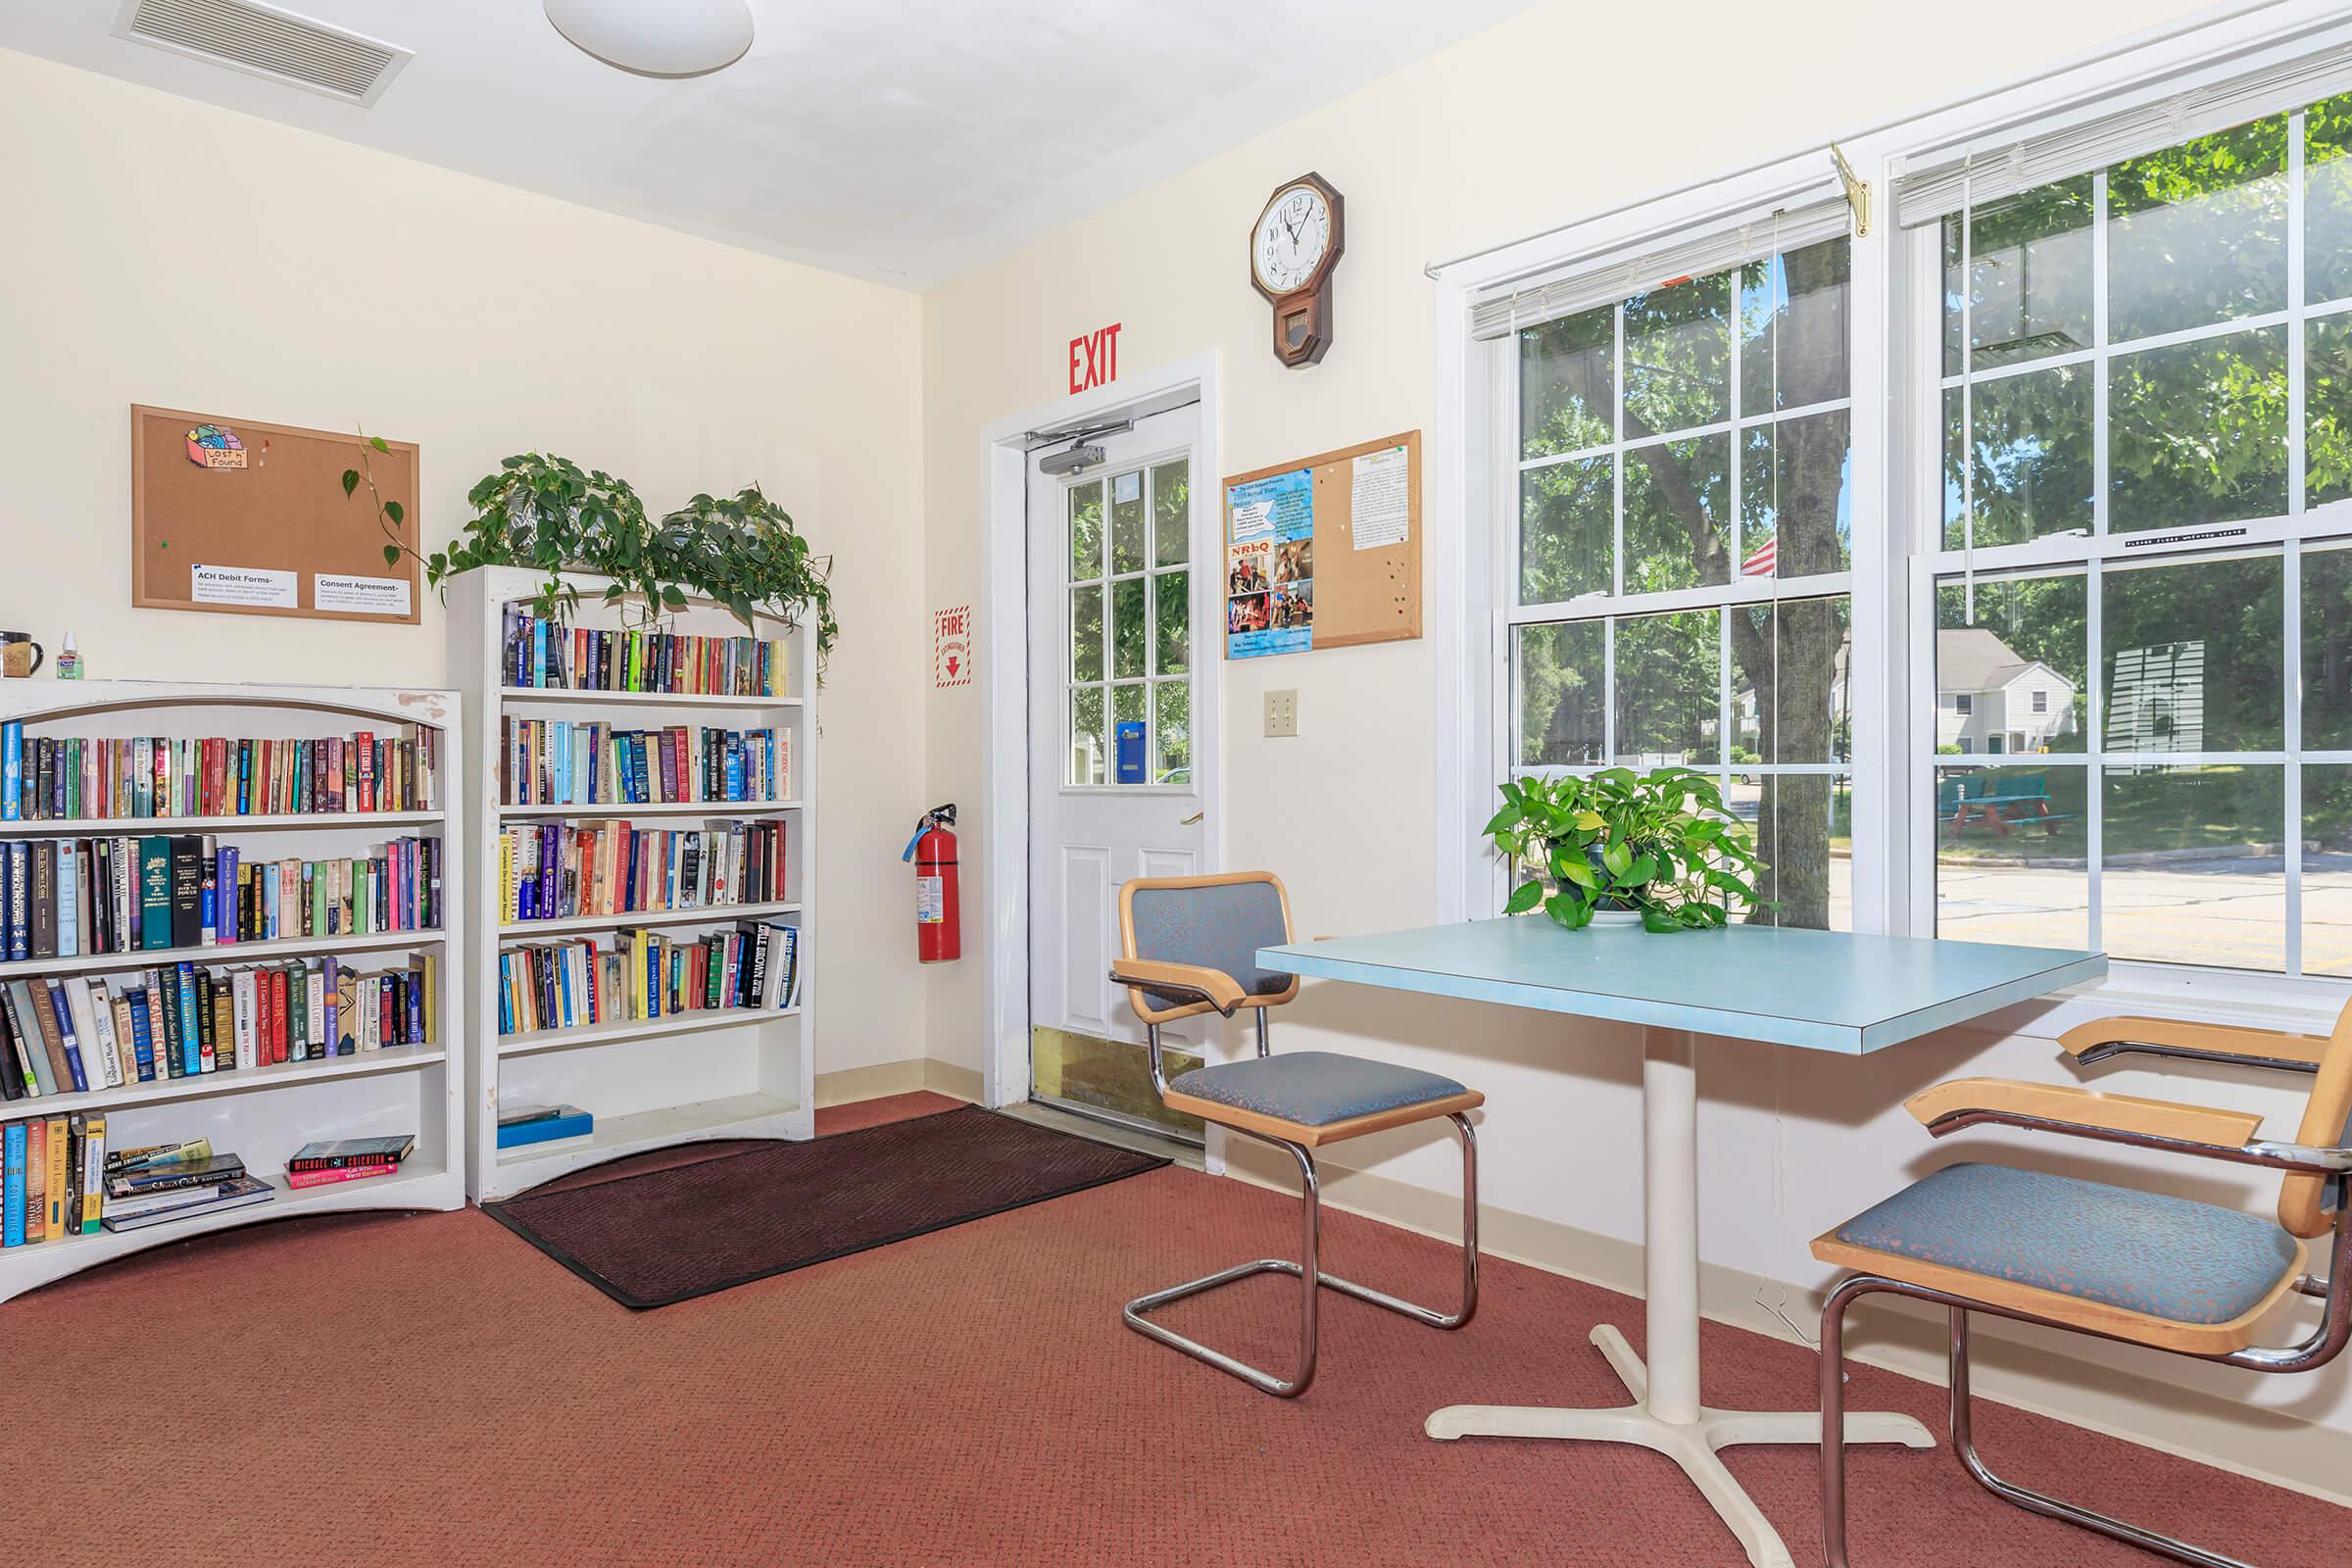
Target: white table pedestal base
[1666,1415]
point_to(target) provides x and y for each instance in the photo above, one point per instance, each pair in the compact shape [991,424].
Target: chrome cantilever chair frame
[1306,1267]
[2321,1347]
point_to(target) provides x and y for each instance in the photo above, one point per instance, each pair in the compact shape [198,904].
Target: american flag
[1763,559]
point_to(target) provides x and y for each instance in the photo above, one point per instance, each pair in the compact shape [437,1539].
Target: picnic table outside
[1998,802]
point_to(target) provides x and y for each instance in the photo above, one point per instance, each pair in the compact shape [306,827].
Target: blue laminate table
[1819,990]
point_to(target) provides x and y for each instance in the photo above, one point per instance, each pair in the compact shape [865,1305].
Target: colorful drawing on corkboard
[212,447]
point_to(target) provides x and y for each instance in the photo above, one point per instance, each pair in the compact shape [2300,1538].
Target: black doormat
[667,1236]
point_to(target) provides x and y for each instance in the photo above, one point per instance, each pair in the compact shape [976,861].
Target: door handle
[1190,820]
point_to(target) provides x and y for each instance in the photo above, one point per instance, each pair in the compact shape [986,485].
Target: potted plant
[1617,848]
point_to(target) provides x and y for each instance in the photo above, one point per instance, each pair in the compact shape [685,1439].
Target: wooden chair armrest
[2203,1042]
[1213,986]
[2085,1110]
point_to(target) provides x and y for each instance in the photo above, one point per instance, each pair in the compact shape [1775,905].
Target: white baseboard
[850,1084]
[2013,1364]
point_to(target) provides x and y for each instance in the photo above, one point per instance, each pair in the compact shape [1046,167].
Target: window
[2146,409]
[1680,568]
[1130,626]
[1963,702]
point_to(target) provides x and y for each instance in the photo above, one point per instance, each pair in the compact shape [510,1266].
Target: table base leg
[1690,1445]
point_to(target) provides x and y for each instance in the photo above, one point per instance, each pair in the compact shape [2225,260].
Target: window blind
[1944,181]
[1604,277]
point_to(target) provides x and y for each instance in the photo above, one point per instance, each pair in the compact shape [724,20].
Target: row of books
[642,975]
[546,654]
[553,870]
[71,898]
[82,1033]
[549,763]
[121,778]
[58,1179]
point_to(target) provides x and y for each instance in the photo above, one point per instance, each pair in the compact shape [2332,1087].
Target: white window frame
[1897,504]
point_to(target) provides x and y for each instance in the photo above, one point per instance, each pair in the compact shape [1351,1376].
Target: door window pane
[2193,869]
[1086,632]
[2191,661]
[1131,705]
[2010,848]
[1668,684]
[1128,523]
[1678,526]
[1567,383]
[1794,348]
[1172,731]
[2030,277]
[2197,232]
[1130,630]
[1086,530]
[1796,484]
[2025,662]
[2034,434]
[1790,701]
[1678,350]
[1171,616]
[1559,674]
[1566,519]
[1086,735]
[2197,432]
[1171,512]
[2328,650]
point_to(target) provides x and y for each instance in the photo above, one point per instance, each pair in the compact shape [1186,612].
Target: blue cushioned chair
[1190,946]
[2114,1261]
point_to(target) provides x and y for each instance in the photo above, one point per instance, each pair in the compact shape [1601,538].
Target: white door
[1116,639]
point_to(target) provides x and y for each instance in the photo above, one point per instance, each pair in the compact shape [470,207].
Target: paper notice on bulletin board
[1378,501]
[1270,565]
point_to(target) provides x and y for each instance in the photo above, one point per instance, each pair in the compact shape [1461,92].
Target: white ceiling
[896,140]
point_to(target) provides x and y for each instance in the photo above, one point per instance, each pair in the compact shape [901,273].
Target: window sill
[2298,1004]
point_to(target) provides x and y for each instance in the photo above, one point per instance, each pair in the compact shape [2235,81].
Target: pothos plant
[1660,843]
[549,514]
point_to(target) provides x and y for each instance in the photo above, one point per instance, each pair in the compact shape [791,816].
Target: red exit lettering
[1095,359]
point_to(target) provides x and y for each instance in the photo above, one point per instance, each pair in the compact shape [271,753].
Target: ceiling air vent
[264,42]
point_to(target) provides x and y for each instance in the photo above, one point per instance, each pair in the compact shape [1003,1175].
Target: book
[299,1179]
[186,1152]
[93,1178]
[335,1153]
[172,1177]
[565,1123]
[12,1185]
[243,1192]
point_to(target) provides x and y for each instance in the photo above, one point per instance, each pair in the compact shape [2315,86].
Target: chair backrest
[1216,923]
[2326,1123]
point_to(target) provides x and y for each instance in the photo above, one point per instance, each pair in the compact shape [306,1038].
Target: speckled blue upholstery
[1313,1088]
[2143,1251]
[1219,927]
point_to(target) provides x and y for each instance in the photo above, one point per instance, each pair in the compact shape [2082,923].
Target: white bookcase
[264,1114]
[690,1077]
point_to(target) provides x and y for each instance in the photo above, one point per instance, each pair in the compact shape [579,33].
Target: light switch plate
[1282,713]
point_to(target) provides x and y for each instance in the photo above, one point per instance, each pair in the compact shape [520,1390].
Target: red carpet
[431,1390]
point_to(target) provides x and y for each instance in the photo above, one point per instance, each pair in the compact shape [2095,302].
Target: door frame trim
[1003,649]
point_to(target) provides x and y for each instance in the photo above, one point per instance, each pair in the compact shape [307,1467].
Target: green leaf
[1576,872]
[351,480]
[396,511]
[1524,898]
[673,599]
[1617,858]
[1510,816]
[379,442]
[1659,921]
[391,555]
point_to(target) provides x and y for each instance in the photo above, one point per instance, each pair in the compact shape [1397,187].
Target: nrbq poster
[1270,565]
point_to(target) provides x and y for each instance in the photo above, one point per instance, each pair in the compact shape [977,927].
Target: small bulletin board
[245,518]
[1325,553]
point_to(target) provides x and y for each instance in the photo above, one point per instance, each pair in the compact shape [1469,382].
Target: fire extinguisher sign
[951,647]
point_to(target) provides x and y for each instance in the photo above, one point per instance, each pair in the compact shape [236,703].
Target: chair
[2193,1279]
[1189,946]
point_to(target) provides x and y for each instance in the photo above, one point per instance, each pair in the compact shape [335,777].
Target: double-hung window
[1678,570]
[2142,557]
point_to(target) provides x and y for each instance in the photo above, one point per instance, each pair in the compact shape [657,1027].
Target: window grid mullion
[2291,690]
[1617,469]
[2095,737]
[2098,377]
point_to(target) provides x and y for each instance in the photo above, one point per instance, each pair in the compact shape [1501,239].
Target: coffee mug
[19,655]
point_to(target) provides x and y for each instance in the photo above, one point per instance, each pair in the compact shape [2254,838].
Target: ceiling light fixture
[668,38]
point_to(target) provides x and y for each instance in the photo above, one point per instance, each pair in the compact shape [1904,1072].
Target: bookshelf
[263,1113]
[693,1077]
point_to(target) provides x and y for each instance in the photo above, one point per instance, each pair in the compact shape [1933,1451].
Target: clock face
[1293,237]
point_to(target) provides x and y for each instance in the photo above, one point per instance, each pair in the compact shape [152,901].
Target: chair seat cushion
[2146,1252]
[1313,1088]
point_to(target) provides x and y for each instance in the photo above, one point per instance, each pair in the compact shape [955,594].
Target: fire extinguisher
[937,908]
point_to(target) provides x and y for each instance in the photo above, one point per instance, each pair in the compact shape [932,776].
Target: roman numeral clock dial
[1294,248]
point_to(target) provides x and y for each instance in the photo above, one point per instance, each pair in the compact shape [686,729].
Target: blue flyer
[1270,565]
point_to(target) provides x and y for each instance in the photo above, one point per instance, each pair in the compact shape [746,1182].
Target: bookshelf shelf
[105,827]
[687,1077]
[607,810]
[260,1113]
[530,930]
[221,952]
[596,699]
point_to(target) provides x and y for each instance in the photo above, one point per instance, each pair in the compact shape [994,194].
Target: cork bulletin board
[1326,552]
[239,518]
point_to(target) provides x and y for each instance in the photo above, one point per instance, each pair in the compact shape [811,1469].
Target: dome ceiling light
[657,37]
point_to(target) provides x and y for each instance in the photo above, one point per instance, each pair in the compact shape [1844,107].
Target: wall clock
[1294,248]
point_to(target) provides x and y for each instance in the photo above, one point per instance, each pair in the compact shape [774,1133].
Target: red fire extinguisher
[937,908]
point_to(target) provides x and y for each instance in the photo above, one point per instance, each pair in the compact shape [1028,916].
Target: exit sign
[1095,359]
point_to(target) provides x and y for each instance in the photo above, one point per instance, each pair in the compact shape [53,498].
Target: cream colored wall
[1569,110]
[155,250]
